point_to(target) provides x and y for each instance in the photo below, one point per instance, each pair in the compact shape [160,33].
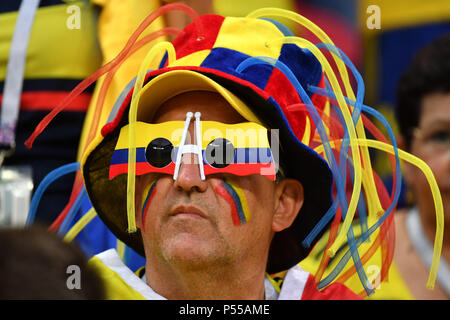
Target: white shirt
[292,289]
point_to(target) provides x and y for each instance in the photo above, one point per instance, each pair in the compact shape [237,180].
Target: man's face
[187,222]
[431,143]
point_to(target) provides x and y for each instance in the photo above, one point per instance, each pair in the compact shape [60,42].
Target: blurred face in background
[431,143]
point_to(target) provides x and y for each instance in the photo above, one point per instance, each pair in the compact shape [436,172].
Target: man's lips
[188,211]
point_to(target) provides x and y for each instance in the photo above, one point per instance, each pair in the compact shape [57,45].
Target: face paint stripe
[242,199]
[245,169]
[234,195]
[236,169]
[141,168]
[222,192]
[151,192]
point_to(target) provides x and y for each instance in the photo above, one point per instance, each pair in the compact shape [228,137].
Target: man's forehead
[211,105]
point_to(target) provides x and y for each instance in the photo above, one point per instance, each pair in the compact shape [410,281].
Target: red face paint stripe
[141,168]
[244,169]
[239,169]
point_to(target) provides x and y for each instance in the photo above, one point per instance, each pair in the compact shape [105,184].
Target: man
[214,228]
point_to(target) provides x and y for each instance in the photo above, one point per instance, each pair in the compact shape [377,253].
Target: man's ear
[289,200]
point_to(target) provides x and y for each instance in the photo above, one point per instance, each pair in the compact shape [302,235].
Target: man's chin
[190,251]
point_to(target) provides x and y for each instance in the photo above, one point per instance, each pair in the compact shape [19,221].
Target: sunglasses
[240,149]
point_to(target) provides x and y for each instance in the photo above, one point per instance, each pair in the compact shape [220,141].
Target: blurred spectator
[423,113]
[61,50]
[180,19]
[36,264]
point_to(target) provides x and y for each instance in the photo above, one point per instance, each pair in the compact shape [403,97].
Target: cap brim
[170,84]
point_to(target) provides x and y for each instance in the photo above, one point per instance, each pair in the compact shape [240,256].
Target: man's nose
[189,178]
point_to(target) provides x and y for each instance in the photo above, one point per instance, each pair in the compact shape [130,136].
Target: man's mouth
[188,212]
